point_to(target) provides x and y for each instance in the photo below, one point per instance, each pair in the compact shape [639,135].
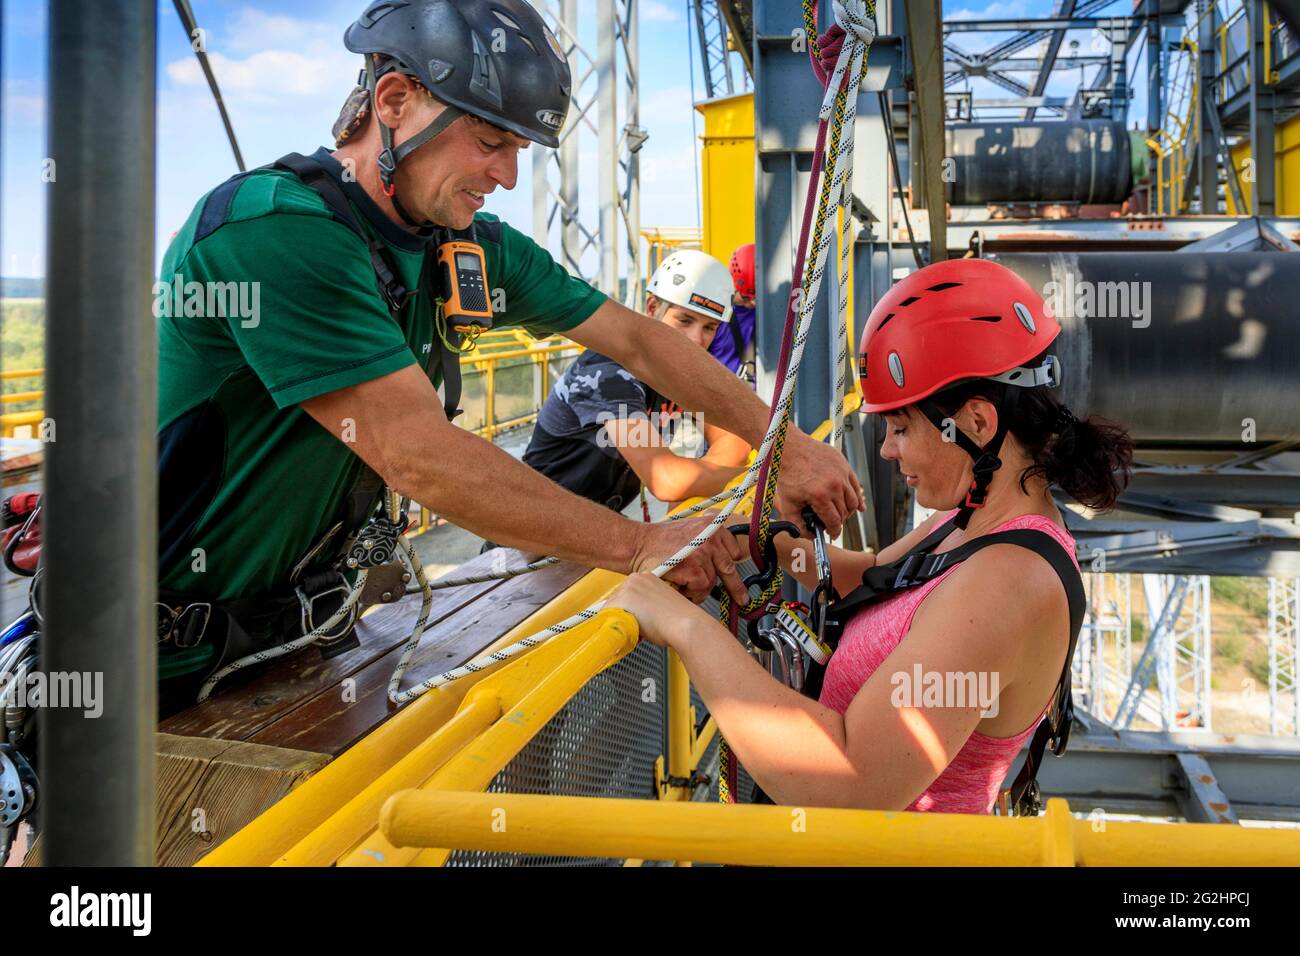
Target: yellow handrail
[752,835]
[513,343]
[510,708]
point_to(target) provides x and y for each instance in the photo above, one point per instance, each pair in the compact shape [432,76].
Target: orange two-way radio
[463,277]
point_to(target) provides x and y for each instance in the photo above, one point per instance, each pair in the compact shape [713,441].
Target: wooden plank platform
[225,761]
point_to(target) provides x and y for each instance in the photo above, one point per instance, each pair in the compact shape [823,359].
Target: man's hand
[814,473]
[714,559]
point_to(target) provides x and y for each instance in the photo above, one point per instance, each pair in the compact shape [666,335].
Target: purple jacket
[723,346]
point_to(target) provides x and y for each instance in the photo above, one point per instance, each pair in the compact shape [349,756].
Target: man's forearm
[483,489]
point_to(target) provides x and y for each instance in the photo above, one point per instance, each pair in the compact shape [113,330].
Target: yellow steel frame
[336,807]
[11,421]
[813,836]
[492,348]
[331,816]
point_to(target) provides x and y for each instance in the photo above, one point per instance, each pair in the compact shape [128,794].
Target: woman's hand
[665,617]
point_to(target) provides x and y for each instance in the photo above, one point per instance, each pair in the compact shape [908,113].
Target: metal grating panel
[603,743]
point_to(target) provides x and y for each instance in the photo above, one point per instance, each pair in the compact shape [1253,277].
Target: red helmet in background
[742,270]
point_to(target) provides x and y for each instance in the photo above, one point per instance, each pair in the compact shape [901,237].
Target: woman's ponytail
[1091,460]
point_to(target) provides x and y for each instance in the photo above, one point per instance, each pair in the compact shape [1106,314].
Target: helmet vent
[1026,318]
[896,368]
[884,321]
[377,11]
[943,285]
[986,318]
[507,21]
[909,300]
[519,31]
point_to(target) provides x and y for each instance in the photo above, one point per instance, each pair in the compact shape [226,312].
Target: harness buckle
[307,607]
[387,164]
[184,627]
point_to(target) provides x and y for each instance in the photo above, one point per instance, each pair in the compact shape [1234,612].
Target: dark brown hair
[1090,459]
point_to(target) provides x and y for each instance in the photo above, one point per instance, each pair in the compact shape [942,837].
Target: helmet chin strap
[390,157]
[986,458]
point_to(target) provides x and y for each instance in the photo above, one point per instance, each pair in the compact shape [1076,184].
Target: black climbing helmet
[494,59]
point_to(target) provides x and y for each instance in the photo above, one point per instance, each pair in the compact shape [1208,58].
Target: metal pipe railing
[530,691]
[751,835]
[514,345]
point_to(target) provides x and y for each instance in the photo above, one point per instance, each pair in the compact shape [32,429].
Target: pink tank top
[970,783]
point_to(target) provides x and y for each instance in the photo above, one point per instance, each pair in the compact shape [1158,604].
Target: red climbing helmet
[954,320]
[742,270]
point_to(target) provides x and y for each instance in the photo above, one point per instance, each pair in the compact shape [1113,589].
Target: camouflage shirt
[570,445]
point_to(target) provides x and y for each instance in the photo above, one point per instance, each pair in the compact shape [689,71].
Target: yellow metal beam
[527,694]
[794,836]
[292,819]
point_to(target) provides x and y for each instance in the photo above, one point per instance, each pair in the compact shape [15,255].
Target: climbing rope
[402,549]
[848,46]
[856,20]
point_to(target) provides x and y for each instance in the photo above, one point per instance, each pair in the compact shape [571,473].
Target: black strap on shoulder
[920,566]
[314,175]
[447,358]
[394,293]
[737,340]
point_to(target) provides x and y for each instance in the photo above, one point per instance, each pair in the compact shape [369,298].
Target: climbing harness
[323,604]
[921,565]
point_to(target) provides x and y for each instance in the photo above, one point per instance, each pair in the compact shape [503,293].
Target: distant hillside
[18,287]
[22,345]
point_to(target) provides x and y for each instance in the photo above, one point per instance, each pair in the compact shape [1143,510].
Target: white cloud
[997,10]
[251,30]
[657,11]
[277,72]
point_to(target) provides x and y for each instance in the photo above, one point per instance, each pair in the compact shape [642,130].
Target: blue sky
[284,73]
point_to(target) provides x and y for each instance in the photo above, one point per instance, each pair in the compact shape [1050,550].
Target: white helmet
[696,281]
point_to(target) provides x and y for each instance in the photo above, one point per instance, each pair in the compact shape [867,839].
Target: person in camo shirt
[603,434]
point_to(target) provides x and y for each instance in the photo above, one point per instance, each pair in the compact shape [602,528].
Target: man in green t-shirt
[294,362]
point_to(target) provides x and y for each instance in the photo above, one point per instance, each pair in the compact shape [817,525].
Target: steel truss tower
[593,239]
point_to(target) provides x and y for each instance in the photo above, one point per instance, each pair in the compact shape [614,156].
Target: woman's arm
[893,740]
[797,556]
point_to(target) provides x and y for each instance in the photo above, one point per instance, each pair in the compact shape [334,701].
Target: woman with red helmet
[734,348]
[942,674]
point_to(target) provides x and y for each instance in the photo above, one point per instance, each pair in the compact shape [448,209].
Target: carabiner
[824,593]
